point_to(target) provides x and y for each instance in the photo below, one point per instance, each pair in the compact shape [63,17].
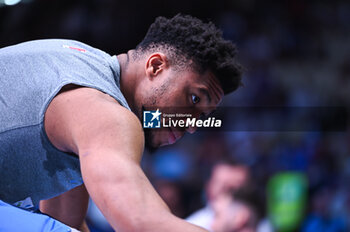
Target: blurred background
[296,53]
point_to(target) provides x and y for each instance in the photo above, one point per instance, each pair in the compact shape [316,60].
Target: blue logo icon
[151,119]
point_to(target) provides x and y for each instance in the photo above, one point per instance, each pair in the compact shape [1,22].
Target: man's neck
[128,77]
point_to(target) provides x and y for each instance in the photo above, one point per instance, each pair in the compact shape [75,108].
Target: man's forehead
[208,82]
[215,89]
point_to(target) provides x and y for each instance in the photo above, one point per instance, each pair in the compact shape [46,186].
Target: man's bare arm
[109,140]
[69,207]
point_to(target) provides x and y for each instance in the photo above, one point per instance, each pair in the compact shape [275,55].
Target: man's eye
[195,99]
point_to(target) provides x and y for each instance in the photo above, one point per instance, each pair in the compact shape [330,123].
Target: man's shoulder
[93,102]
[87,115]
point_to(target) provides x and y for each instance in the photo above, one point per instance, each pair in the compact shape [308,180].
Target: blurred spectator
[320,217]
[234,214]
[225,178]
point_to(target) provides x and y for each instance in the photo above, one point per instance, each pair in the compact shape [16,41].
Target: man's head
[186,63]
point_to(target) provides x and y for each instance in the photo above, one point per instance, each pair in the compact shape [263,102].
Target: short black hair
[189,39]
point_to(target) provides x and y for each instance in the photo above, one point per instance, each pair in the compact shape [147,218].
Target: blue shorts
[14,219]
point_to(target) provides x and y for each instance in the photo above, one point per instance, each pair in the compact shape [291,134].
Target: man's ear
[155,64]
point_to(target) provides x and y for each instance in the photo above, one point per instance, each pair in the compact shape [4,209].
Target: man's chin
[153,141]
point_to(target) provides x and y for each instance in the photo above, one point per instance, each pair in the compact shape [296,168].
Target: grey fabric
[31,75]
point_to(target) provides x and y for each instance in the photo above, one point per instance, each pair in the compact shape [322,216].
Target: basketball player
[70,123]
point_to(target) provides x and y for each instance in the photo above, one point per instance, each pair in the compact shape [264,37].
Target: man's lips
[173,136]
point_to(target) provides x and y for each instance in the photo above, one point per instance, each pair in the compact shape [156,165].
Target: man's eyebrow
[205,92]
